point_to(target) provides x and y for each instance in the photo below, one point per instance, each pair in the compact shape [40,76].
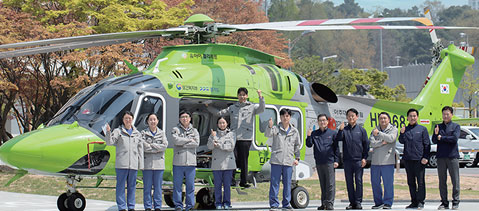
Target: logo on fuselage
[179,87]
[444,88]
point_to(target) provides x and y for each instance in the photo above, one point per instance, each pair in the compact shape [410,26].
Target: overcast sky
[371,5]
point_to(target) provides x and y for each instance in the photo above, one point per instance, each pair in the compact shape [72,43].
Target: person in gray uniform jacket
[154,144]
[285,148]
[185,140]
[129,159]
[222,142]
[383,157]
[242,118]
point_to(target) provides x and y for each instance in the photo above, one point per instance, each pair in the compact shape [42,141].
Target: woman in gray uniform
[129,158]
[155,144]
[222,142]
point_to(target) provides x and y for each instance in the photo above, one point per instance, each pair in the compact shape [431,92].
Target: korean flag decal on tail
[444,88]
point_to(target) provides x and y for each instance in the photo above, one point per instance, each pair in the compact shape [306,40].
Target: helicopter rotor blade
[339,27]
[63,47]
[135,35]
[323,22]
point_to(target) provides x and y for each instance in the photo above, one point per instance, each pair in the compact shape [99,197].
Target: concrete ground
[18,201]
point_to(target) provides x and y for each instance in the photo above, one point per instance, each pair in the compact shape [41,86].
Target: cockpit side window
[149,104]
[104,107]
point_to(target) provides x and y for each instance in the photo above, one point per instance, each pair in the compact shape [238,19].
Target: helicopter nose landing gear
[72,200]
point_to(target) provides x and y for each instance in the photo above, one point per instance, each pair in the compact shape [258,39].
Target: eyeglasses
[184,117]
[323,120]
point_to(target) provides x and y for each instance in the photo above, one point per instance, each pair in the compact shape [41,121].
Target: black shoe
[322,207]
[131,209]
[123,210]
[147,209]
[455,206]
[358,207]
[420,206]
[443,206]
[376,207]
[350,207]
[157,209]
[411,206]
[246,185]
[387,207]
[330,207]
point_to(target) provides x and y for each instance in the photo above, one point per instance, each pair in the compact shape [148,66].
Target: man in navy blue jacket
[417,147]
[355,152]
[445,136]
[326,155]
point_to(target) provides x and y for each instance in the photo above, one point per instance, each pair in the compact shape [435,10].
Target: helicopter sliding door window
[270,112]
[150,104]
[297,121]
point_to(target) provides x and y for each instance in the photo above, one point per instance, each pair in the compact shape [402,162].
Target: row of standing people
[382,142]
[145,150]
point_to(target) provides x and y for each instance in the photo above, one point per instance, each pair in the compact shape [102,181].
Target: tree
[470,85]
[53,78]
[283,10]
[348,78]
[350,9]
[314,70]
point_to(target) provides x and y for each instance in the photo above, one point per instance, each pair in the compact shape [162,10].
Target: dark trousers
[241,155]
[328,183]
[443,165]
[353,172]
[415,172]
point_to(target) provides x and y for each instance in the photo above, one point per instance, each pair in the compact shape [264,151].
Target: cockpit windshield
[103,103]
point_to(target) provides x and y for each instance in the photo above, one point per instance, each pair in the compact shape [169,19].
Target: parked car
[469,139]
[465,155]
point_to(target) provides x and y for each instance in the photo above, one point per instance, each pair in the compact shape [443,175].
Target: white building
[474,4]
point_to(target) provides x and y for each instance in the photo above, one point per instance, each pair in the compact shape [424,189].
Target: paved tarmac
[18,201]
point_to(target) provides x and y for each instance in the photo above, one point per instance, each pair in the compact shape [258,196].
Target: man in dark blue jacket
[355,152]
[445,136]
[417,147]
[326,155]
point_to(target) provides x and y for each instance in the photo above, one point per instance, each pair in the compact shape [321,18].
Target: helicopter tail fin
[442,87]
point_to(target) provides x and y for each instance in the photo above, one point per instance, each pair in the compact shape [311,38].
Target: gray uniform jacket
[285,146]
[223,155]
[129,148]
[384,154]
[154,147]
[241,117]
[185,141]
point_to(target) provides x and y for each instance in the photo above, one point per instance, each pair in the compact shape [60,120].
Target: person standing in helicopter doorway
[154,145]
[129,158]
[222,142]
[242,115]
[185,139]
[285,144]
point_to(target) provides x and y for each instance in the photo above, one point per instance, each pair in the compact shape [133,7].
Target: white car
[465,155]
[469,140]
